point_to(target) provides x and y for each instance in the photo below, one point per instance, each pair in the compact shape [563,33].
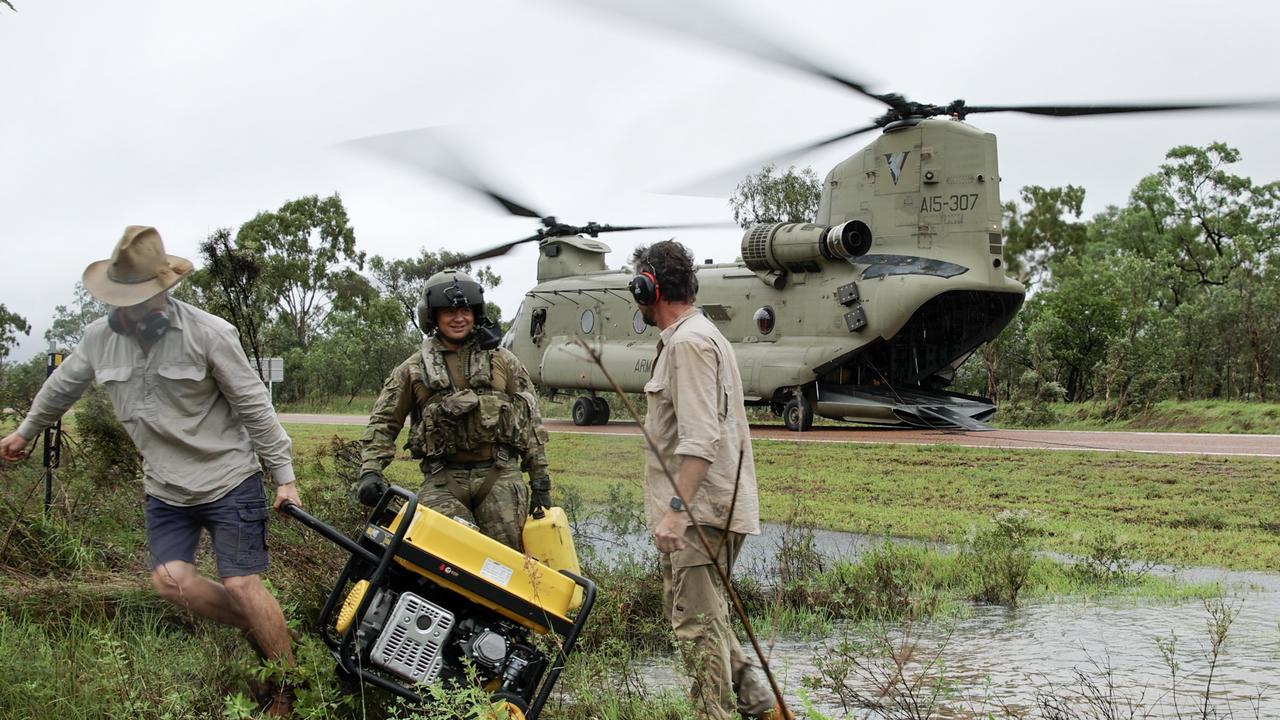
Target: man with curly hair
[698,425]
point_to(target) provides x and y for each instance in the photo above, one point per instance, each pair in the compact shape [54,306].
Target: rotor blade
[428,150]
[493,252]
[701,21]
[722,183]
[677,226]
[1080,110]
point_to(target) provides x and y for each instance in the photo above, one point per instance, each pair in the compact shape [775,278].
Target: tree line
[1173,296]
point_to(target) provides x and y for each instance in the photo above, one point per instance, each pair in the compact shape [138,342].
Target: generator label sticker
[495,572]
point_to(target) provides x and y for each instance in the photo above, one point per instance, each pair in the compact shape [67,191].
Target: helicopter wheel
[584,410]
[798,414]
[602,411]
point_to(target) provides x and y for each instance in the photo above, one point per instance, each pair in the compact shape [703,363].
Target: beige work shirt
[195,409]
[696,409]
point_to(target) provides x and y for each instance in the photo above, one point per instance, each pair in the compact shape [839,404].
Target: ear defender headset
[645,289]
[149,328]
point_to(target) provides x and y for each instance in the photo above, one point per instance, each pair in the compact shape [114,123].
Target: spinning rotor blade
[723,182]
[493,252]
[427,150]
[1079,110]
[592,229]
[704,22]
[678,226]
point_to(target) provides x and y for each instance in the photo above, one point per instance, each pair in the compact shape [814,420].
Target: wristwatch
[677,504]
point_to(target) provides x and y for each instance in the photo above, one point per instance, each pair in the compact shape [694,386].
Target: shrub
[1108,563]
[999,557]
[109,456]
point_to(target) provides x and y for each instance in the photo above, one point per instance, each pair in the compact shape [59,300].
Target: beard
[646,312]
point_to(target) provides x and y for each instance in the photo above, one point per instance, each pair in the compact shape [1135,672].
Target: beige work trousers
[695,603]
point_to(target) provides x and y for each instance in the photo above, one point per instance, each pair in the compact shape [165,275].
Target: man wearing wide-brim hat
[203,422]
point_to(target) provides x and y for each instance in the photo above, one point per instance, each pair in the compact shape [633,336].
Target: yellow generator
[423,601]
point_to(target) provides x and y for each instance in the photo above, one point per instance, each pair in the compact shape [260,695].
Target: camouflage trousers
[500,514]
[697,606]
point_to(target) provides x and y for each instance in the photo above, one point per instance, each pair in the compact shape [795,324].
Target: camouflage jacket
[496,400]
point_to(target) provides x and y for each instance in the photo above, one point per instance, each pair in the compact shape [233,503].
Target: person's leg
[263,621]
[696,605]
[502,513]
[180,583]
[238,525]
[173,532]
[754,696]
[437,493]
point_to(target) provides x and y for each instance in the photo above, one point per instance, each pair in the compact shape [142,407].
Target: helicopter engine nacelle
[780,248]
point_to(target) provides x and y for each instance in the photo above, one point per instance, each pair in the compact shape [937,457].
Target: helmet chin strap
[488,335]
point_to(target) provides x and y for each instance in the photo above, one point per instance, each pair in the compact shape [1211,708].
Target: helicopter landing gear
[602,411]
[584,410]
[798,414]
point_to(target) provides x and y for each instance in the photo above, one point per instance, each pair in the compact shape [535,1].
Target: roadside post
[52,435]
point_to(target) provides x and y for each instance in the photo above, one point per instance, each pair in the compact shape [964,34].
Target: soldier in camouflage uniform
[475,421]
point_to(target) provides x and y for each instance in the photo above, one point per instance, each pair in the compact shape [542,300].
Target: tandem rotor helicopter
[862,315]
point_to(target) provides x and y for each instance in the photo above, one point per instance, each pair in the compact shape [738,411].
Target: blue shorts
[237,523]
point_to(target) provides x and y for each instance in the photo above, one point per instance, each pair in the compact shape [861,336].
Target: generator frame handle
[570,639]
[343,647]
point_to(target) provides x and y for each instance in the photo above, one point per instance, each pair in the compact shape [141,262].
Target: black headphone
[149,328]
[645,289]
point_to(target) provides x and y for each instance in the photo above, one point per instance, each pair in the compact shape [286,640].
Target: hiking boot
[774,713]
[281,704]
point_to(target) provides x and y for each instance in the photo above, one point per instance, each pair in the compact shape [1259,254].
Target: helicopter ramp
[915,407]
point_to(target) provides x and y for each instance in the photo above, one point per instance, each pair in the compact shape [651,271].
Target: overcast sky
[191,117]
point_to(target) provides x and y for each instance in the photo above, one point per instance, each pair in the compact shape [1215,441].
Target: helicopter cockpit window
[638,324]
[588,321]
[537,322]
[765,320]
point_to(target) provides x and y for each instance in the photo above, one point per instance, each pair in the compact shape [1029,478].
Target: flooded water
[1088,659]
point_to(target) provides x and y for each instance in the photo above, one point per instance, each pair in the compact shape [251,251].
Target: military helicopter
[862,315]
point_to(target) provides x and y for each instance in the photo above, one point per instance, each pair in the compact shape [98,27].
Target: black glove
[539,492]
[370,488]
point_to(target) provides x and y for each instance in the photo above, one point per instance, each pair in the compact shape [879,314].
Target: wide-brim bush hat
[137,270]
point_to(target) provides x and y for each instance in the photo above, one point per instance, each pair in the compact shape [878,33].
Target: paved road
[1265,446]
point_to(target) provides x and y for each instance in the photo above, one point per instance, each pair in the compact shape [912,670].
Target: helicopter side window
[538,321]
[587,321]
[765,320]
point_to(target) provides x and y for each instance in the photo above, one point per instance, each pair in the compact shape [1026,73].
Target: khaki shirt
[195,409]
[407,386]
[696,409]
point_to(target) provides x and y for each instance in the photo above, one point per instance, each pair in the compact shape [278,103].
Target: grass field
[1173,509]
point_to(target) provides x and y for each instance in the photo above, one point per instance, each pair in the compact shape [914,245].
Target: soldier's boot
[774,713]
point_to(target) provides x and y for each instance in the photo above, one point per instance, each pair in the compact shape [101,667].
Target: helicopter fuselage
[898,280]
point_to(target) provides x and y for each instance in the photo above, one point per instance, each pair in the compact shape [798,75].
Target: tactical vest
[454,420]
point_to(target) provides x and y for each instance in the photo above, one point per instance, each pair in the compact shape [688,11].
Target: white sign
[495,572]
[272,369]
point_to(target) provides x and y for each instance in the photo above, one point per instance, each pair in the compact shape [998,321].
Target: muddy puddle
[1094,659]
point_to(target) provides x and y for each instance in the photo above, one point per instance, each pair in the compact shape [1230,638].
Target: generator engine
[422,642]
